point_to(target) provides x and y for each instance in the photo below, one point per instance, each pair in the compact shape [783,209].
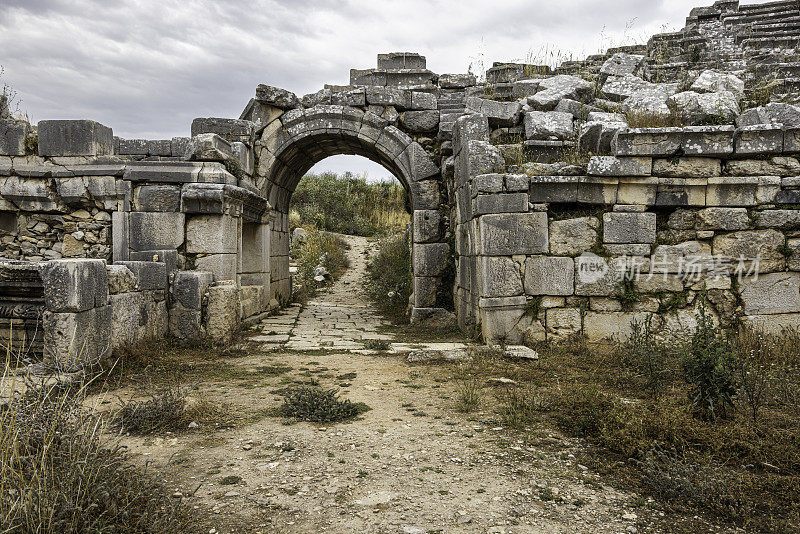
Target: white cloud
[148,67]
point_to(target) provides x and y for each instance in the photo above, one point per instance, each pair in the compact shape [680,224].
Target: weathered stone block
[548,125]
[504,203]
[784,219]
[728,219]
[277,97]
[127,318]
[456,81]
[687,167]
[74,285]
[74,138]
[771,294]
[563,323]
[500,114]
[774,325]
[614,166]
[212,234]
[420,121]
[73,341]
[222,266]
[510,234]
[427,226]
[121,279]
[209,147]
[629,227]
[151,275]
[572,237]
[758,140]
[499,276]
[425,195]
[611,326]
[388,96]
[732,191]
[157,198]
[549,189]
[189,287]
[156,231]
[431,259]
[637,191]
[743,248]
[222,312]
[12,136]
[549,275]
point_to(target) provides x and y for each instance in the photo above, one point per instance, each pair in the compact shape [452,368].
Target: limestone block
[74,138]
[426,289]
[420,121]
[504,203]
[771,293]
[457,81]
[510,233]
[209,147]
[156,231]
[356,98]
[597,277]
[222,266]
[151,275]
[611,326]
[500,114]
[776,166]
[185,323]
[711,81]
[687,167]
[127,318]
[425,195]
[548,125]
[549,275]
[572,237]
[157,197]
[12,136]
[431,259]
[424,101]
[728,219]
[631,249]
[470,128]
[546,100]
[657,283]
[189,287]
[73,341]
[629,227]
[323,96]
[568,86]
[427,226]
[388,96]
[683,257]
[74,285]
[232,130]
[784,219]
[622,64]
[699,108]
[774,325]
[707,141]
[563,323]
[501,318]
[732,191]
[275,96]
[222,312]
[603,304]
[637,191]
[521,89]
[549,189]
[243,156]
[212,234]
[747,246]
[577,109]
[794,257]
[758,140]
[775,113]
[121,279]
[499,276]
[614,166]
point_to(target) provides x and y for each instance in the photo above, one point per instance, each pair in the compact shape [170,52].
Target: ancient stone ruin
[547,202]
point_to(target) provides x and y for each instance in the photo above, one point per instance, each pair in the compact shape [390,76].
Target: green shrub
[317,249]
[317,405]
[708,364]
[348,204]
[389,280]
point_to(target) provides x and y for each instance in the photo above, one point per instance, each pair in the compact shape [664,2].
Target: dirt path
[410,465]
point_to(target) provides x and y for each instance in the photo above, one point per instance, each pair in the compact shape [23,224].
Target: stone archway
[293,143]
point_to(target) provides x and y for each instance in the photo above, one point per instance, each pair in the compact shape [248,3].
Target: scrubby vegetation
[317,405]
[389,281]
[314,250]
[57,475]
[705,423]
[348,204]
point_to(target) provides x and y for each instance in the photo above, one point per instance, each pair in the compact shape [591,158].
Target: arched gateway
[293,143]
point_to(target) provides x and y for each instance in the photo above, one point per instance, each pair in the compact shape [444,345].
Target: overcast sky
[148,67]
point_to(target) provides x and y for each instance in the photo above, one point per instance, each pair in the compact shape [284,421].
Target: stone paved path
[340,318]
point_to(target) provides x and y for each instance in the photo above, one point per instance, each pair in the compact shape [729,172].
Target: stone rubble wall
[695,206]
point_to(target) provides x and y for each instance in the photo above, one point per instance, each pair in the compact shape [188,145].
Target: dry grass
[58,475]
[636,411]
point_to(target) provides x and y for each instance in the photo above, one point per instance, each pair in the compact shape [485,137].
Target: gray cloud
[147,68]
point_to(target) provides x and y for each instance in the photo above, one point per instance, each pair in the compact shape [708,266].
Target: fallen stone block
[275,96]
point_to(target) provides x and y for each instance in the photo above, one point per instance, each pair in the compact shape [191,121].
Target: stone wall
[679,215]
